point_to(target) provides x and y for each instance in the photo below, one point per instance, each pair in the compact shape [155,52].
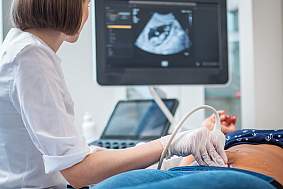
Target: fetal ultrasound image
[163,35]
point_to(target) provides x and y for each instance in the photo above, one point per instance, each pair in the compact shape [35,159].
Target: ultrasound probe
[179,125]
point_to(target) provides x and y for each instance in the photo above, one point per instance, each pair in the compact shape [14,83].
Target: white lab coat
[38,137]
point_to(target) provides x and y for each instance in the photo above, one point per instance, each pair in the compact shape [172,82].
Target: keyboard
[114,144]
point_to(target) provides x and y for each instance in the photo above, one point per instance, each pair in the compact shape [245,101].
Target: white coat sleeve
[42,105]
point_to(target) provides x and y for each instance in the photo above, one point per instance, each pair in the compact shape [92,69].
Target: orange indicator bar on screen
[119,26]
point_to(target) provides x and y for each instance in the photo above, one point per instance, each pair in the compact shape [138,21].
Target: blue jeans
[187,178]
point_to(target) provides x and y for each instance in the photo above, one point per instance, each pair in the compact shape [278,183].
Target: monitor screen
[139,119]
[161,42]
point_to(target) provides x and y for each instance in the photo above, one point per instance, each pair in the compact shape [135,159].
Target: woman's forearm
[103,164]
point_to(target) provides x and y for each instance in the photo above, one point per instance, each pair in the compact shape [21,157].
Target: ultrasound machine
[159,42]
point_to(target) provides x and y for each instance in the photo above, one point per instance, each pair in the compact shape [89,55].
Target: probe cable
[181,123]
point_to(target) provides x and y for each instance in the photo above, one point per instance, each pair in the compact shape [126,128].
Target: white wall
[261,36]
[247,63]
[191,97]
[1,22]
[6,16]
[268,57]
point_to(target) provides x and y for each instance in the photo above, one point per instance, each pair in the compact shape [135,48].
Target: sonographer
[40,146]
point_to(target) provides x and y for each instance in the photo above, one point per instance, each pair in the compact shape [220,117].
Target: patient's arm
[228,122]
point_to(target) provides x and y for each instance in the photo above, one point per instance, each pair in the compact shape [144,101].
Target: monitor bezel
[161,76]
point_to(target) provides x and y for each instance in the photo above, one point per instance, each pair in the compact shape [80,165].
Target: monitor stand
[158,95]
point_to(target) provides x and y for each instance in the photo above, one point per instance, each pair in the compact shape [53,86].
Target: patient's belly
[265,159]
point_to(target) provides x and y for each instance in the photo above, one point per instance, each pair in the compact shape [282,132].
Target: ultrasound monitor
[156,42]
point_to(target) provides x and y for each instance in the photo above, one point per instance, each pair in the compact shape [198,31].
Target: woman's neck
[52,38]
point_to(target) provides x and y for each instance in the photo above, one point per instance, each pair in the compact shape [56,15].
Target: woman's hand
[206,146]
[228,122]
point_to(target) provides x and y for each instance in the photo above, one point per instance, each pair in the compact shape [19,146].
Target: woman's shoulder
[20,45]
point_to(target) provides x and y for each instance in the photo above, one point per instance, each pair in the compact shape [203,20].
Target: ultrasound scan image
[163,35]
